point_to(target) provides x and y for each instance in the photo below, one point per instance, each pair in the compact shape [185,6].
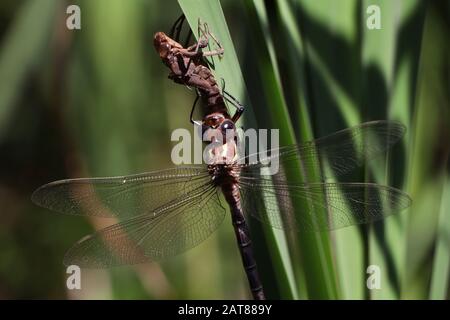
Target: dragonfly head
[214,120]
[221,132]
[164,45]
[221,125]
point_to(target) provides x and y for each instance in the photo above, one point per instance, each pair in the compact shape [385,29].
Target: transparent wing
[123,196]
[327,206]
[341,151]
[172,229]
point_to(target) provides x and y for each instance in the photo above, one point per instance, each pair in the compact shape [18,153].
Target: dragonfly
[164,213]
[189,67]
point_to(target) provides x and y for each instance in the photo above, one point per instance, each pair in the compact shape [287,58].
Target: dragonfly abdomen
[241,230]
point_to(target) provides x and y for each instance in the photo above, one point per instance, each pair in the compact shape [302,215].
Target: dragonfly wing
[120,197]
[341,151]
[326,206]
[172,229]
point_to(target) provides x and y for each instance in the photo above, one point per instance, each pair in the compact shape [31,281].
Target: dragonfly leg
[203,42]
[176,28]
[188,38]
[205,33]
[195,122]
[235,102]
[212,36]
[195,51]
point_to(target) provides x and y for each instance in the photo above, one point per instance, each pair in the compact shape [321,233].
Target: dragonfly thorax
[224,173]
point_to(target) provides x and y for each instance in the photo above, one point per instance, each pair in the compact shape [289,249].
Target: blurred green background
[97,102]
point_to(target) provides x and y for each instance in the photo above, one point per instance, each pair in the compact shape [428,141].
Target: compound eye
[164,50]
[227,125]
